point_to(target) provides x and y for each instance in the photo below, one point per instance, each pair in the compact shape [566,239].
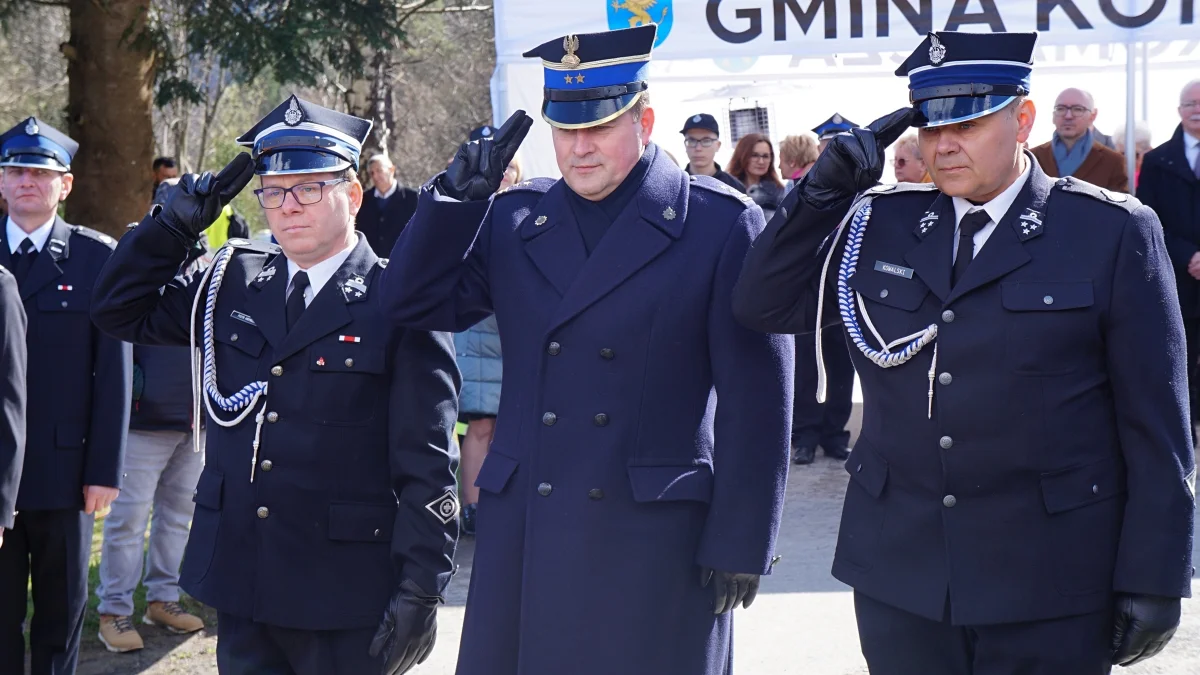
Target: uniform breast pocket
[237,346]
[892,301]
[1050,328]
[348,383]
[64,315]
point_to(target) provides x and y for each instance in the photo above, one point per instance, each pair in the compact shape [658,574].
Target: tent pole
[1130,112]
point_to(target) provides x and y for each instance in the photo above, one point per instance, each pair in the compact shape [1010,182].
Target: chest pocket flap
[891,290]
[241,336]
[1046,296]
[74,300]
[346,357]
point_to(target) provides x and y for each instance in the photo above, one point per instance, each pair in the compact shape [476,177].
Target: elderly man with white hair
[1169,183]
[387,208]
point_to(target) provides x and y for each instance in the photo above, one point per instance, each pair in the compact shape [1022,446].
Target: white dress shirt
[996,209]
[318,274]
[16,235]
[1191,149]
[389,193]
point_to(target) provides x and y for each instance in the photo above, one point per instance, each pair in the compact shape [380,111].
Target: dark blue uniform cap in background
[956,77]
[833,126]
[35,144]
[593,78]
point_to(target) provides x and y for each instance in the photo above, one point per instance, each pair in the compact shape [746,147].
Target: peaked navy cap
[33,143]
[955,77]
[593,78]
[303,137]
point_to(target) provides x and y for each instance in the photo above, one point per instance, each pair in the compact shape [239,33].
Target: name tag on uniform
[244,318]
[897,270]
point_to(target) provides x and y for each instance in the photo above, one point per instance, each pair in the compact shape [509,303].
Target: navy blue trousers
[815,423]
[53,548]
[896,642]
[246,647]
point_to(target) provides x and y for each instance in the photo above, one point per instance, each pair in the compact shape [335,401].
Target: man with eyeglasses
[1075,151]
[702,140]
[326,514]
[1170,184]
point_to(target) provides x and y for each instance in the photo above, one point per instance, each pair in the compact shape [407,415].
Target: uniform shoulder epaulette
[1079,187]
[899,188]
[538,185]
[94,235]
[255,246]
[713,185]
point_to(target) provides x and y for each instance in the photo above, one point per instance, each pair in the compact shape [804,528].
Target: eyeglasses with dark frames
[304,193]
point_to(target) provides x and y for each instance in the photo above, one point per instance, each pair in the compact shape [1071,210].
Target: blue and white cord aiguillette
[849,299]
[204,377]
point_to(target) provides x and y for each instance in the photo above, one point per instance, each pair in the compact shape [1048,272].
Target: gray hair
[1141,134]
[381,157]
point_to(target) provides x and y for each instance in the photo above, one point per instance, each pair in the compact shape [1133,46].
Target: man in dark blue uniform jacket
[12,397]
[1021,498]
[327,501]
[79,384]
[641,444]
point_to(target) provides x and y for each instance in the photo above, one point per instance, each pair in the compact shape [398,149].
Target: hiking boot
[171,616]
[118,634]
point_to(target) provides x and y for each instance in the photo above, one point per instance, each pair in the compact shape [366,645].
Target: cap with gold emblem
[303,137]
[594,78]
[35,144]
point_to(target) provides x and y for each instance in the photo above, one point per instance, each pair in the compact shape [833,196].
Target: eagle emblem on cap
[696,118]
[571,44]
[31,127]
[838,119]
[293,115]
[487,131]
[937,51]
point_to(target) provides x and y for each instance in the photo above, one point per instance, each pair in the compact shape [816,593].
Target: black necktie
[971,224]
[26,255]
[295,301]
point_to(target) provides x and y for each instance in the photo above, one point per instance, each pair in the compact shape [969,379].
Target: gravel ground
[802,623]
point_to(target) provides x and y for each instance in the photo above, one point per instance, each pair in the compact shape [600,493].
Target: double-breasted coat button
[883,293]
[349,363]
[266,465]
[549,419]
[378,532]
[596,495]
[948,316]
[1095,489]
[64,303]
[601,420]
[607,354]
[233,338]
[553,348]
[946,442]
[1049,299]
[545,489]
[277,371]
[945,378]
[272,417]
[949,501]
[263,512]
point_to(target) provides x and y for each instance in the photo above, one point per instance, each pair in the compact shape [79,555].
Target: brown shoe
[171,616]
[118,634]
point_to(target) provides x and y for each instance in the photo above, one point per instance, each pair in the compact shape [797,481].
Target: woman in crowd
[753,163]
[797,154]
[480,360]
[907,163]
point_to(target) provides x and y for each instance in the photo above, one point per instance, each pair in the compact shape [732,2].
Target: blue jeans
[161,470]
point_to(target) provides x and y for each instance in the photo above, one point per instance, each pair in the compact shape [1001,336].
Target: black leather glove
[1142,626]
[408,631]
[853,161]
[196,202]
[729,589]
[478,167]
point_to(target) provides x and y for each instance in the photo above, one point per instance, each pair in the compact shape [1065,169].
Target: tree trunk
[109,113]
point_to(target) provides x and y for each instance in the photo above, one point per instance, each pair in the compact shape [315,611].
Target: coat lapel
[45,268]
[329,310]
[1176,158]
[552,239]
[652,220]
[265,300]
[1005,249]
[933,257]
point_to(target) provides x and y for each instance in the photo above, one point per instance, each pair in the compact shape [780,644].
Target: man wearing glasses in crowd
[1076,150]
[327,506]
[702,138]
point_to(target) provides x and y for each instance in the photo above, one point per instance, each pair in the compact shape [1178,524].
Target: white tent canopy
[803,60]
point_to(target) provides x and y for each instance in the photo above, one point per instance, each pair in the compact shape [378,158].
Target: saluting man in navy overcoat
[641,444]
[327,506]
[78,388]
[1021,498]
